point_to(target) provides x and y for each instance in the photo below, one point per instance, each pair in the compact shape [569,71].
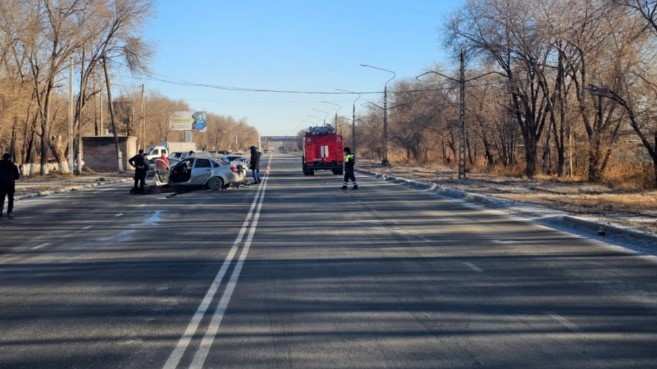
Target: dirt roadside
[634,209]
[28,187]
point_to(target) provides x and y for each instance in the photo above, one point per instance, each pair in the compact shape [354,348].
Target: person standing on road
[349,164]
[8,175]
[139,163]
[254,164]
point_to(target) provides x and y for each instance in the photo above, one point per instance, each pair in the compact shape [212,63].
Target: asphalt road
[296,273]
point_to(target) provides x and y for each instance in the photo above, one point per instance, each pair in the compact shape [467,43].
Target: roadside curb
[602,229]
[73,188]
[607,230]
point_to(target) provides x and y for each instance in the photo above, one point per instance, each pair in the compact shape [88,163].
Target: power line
[256,90]
[305,92]
[339,92]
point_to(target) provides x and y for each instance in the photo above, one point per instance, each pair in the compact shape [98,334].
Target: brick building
[99,153]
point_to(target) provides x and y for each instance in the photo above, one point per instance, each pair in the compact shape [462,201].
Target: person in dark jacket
[8,175]
[141,168]
[254,164]
[349,164]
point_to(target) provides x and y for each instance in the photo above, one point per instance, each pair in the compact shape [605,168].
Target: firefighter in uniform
[349,164]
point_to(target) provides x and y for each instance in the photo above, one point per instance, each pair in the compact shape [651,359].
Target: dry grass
[637,203]
[620,198]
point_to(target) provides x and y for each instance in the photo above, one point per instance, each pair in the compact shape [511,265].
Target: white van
[155,152]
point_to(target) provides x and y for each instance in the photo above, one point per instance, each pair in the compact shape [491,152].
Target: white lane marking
[210,334]
[178,352]
[86,228]
[118,215]
[124,236]
[474,267]
[505,242]
[154,219]
[564,322]
[37,247]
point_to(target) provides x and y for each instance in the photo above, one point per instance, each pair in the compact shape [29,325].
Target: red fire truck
[322,150]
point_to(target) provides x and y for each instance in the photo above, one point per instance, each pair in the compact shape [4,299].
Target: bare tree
[505,32]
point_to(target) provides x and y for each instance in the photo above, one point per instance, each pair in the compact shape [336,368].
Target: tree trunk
[12,142]
[594,159]
[530,155]
[58,149]
[43,168]
[561,160]
[490,159]
[108,85]
[654,161]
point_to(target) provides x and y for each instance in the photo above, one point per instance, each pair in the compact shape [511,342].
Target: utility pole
[353,129]
[462,131]
[71,146]
[101,129]
[93,88]
[385,161]
[570,152]
[462,169]
[108,85]
[143,119]
[335,120]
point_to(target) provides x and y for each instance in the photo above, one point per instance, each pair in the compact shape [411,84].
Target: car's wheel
[216,183]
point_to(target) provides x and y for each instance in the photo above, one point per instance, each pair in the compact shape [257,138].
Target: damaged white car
[206,172]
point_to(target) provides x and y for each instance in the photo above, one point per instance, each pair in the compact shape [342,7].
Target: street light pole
[462,82]
[71,145]
[143,118]
[385,162]
[462,174]
[353,128]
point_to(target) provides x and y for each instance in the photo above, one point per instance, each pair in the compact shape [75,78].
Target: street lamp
[385,161]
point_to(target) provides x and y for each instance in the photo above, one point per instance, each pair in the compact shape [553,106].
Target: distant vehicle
[155,152]
[322,150]
[168,148]
[206,172]
[235,158]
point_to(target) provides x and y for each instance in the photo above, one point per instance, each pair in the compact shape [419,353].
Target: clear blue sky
[290,44]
